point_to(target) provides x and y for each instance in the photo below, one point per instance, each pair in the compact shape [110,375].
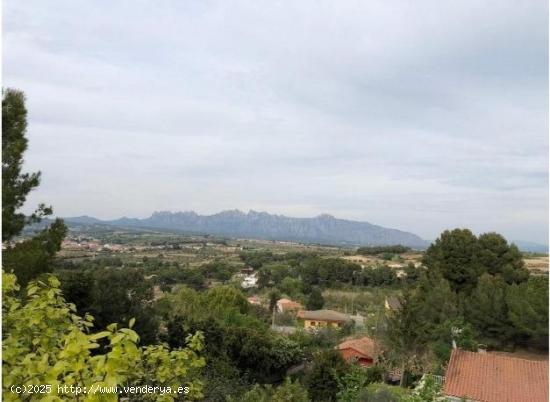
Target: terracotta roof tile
[365,346]
[488,377]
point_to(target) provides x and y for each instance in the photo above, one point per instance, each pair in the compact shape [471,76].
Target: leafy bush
[45,342]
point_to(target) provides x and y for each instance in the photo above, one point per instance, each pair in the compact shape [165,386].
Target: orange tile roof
[287,304]
[365,346]
[489,377]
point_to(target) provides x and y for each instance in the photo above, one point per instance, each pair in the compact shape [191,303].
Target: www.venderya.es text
[99,389]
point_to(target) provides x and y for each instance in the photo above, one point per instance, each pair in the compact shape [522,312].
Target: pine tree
[487,311]
[32,257]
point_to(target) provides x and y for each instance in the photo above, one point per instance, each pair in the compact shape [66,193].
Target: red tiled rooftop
[488,377]
[287,304]
[365,346]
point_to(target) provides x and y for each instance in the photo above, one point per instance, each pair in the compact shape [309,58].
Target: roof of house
[489,377]
[365,346]
[323,315]
[287,303]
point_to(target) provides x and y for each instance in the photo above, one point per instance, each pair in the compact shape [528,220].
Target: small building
[362,350]
[249,281]
[287,305]
[323,319]
[488,377]
[392,303]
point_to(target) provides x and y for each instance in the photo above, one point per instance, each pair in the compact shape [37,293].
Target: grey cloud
[421,116]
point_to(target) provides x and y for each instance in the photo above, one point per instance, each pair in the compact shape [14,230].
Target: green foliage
[412,273]
[221,298]
[375,250]
[487,311]
[256,259]
[358,377]
[380,392]
[15,184]
[45,342]
[114,295]
[315,301]
[453,254]
[293,287]
[273,274]
[287,392]
[313,342]
[274,296]
[435,304]
[498,258]
[219,270]
[462,258]
[428,390]
[457,330]
[404,338]
[327,272]
[323,379]
[376,276]
[236,340]
[167,275]
[30,258]
[528,311]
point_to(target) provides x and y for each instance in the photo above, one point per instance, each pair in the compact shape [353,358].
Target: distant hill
[530,247]
[324,229]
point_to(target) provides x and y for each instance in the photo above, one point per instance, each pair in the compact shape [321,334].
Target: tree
[291,286]
[435,303]
[351,384]
[287,392]
[462,258]
[454,255]
[274,296]
[323,379]
[487,311]
[45,342]
[528,311]
[404,339]
[452,330]
[113,303]
[29,258]
[498,258]
[15,184]
[223,298]
[315,301]
[32,257]
[380,392]
[412,273]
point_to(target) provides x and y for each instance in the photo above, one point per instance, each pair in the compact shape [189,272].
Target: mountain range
[324,229]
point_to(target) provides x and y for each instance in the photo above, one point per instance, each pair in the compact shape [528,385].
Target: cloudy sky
[417,115]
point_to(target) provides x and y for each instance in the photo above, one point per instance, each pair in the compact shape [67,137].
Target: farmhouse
[323,318]
[286,305]
[487,377]
[362,350]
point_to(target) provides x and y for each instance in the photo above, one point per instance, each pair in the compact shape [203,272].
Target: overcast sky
[417,115]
